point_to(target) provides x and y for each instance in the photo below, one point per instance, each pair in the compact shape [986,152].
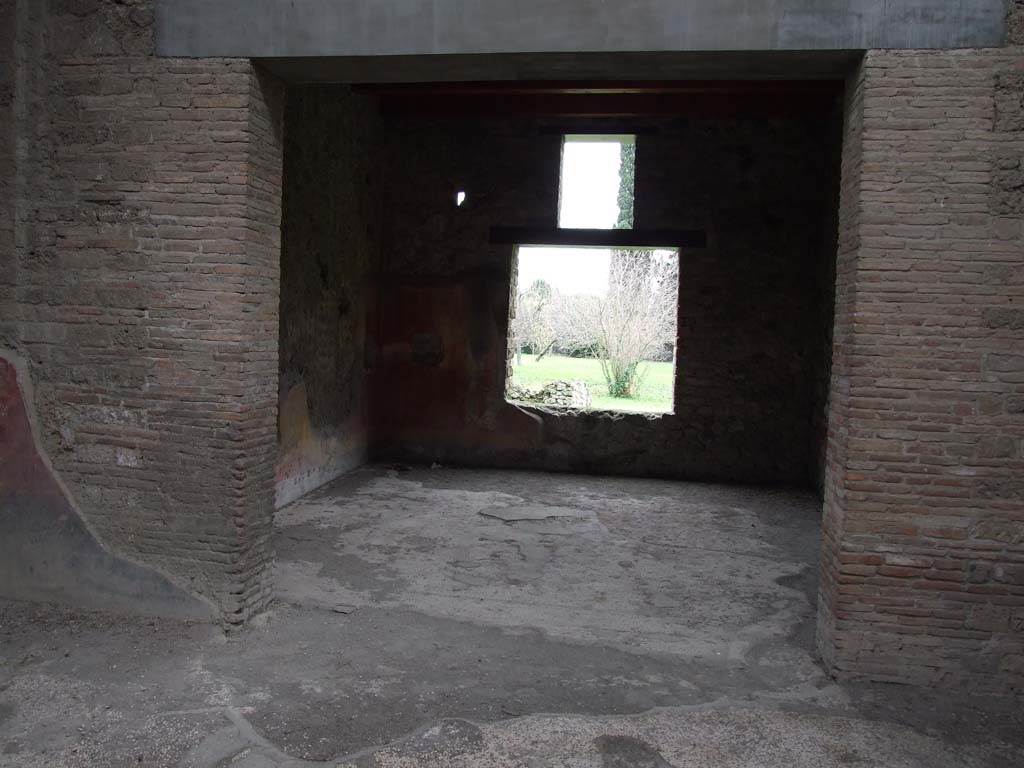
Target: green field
[655,395]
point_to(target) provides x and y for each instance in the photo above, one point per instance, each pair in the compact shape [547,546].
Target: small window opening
[597,182]
[594,328]
[460,198]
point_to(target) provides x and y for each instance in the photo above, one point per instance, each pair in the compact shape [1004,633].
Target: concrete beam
[286,28]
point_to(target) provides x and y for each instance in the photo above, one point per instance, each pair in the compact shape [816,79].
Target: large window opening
[594,328]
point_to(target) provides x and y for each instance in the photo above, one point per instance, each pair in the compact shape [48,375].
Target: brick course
[147,261]
[924,505]
[139,233]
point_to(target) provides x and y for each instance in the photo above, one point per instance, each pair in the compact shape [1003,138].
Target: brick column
[147,296]
[923,554]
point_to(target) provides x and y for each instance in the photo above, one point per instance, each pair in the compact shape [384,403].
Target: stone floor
[442,617]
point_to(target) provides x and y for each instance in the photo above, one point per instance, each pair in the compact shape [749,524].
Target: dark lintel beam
[653,104]
[601,87]
[599,238]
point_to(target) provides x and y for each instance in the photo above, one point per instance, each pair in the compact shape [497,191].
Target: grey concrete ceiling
[315,28]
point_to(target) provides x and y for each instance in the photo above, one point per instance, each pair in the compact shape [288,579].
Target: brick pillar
[147,295]
[923,553]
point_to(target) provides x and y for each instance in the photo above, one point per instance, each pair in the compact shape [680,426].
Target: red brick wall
[147,254]
[838,401]
[923,568]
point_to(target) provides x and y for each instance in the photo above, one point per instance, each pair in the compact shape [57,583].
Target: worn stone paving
[469,618]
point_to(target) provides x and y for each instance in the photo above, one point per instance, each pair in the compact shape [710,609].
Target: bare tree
[628,325]
[531,322]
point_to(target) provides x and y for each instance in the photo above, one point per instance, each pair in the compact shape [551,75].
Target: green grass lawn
[655,395]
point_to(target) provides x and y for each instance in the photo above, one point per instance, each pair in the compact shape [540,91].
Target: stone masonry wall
[752,312]
[755,306]
[923,563]
[329,233]
[8,167]
[146,241]
[1015,22]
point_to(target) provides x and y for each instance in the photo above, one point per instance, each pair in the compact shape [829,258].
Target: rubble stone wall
[754,309]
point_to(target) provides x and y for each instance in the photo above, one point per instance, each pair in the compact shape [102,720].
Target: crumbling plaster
[48,551]
[330,228]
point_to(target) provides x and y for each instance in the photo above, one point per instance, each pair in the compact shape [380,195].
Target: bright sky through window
[589,194]
[603,318]
[568,270]
[588,199]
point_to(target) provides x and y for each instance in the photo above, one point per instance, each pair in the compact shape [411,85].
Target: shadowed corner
[47,553]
